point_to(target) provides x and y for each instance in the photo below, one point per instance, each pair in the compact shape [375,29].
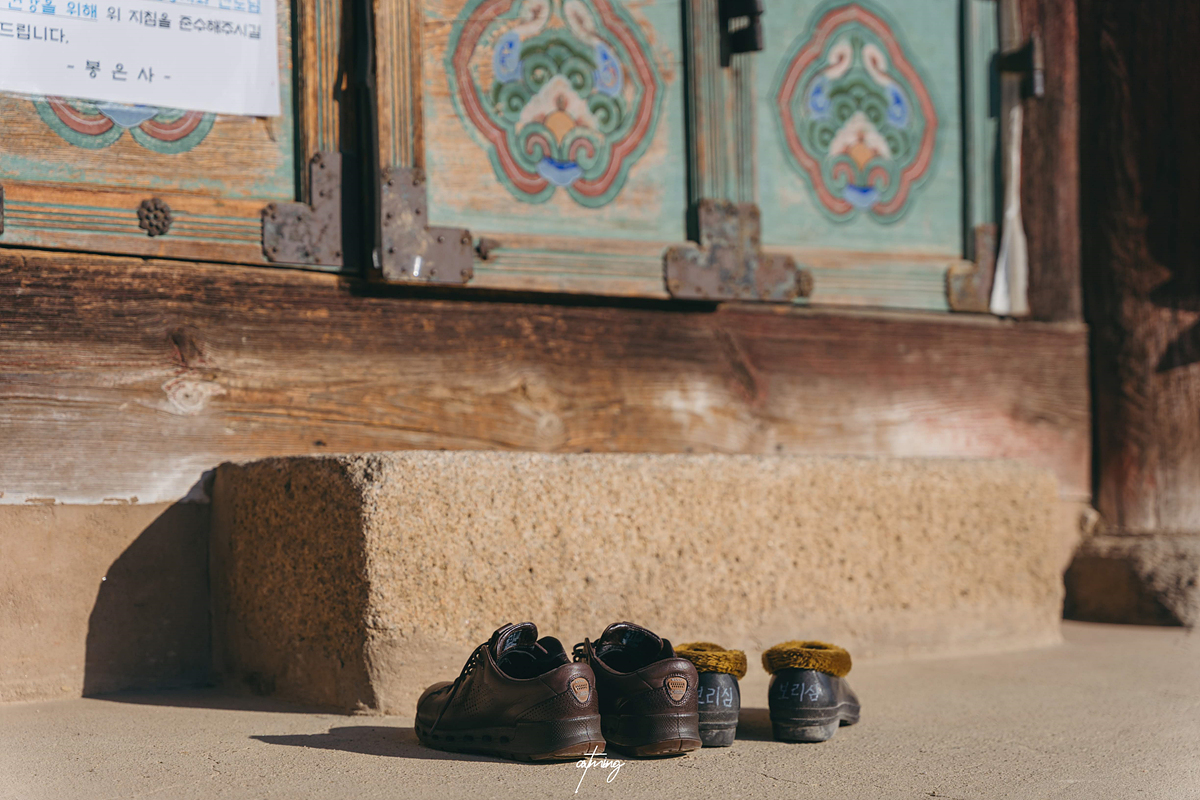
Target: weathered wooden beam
[1050,165]
[1141,200]
[1141,205]
[122,377]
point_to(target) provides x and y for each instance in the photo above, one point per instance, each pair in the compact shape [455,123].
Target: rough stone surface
[289,565]
[1111,714]
[1147,579]
[355,581]
[100,598]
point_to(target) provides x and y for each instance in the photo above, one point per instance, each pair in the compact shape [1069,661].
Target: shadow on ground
[754,724]
[371,740]
[220,699]
[149,637]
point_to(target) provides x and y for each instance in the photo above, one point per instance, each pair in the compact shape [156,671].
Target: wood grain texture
[122,378]
[398,27]
[572,264]
[847,277]
[613,250]
[1050,166]
[861,261]
[710,169]
[1141,200]
[240,158]
[70,197]
[927,33]
[981,131]
[721,137]
[464,189]
[745,126]
[105,219]
[319,47]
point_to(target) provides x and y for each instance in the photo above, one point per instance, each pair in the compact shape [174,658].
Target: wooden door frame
[1050,166]
[493,259]
[208,227]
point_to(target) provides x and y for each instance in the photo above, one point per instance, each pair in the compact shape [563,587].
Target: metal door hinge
[729,264]
[299,233]
[413,252]
[741,27]
[1029,62]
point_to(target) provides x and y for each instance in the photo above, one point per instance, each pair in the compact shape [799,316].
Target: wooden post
[1141,246]
[1050,165]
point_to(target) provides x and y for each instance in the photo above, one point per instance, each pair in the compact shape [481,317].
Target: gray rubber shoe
[808,706]
[720,700]
[720,703]
[809,697]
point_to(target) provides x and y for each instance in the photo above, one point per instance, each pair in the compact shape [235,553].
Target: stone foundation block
[355,581]
[1139,579]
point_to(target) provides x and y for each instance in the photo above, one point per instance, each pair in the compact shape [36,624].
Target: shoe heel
[804,730]
[557,739]
[718,737]
[719,702]
[654,735]
[667,747]
[809,706]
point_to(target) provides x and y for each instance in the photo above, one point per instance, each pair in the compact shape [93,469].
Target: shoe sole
[814,724]
[556,740]
[720,703]
[650,736]
[718,734]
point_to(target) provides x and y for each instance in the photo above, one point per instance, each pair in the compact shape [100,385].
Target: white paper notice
[197,55]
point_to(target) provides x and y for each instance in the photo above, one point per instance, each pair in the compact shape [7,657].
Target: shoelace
[580,650]
[467,669]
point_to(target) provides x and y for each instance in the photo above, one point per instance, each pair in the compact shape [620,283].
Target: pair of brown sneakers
[522,697]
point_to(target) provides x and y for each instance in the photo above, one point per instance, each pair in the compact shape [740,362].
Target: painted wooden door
[551,137]
[552,130]
[876,146]
[75,173]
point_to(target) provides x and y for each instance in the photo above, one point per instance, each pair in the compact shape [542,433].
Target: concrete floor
[1112,713]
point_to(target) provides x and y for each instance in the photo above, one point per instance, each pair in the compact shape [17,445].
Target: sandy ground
[1112,713]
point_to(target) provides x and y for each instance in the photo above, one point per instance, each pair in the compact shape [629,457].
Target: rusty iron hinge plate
[411,251]
[298,233]
[729,263]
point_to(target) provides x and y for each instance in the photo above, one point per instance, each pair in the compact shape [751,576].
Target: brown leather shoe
[648,704]
[517,697]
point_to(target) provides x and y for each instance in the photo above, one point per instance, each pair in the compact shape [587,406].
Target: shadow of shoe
[754,724]
[372,740]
